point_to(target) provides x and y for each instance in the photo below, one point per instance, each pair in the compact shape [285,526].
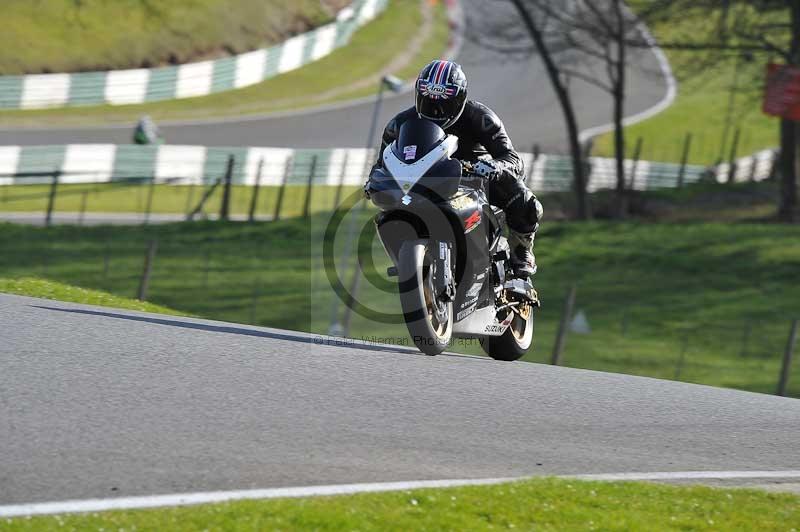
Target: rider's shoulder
[482,116]
[479,108]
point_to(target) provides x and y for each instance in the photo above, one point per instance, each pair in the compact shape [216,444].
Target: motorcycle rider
[441,96]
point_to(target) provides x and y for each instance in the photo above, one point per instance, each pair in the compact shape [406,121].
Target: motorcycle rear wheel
[515,342]
[420,304]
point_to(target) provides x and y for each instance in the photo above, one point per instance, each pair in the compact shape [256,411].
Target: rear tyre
[429,320]
[517,339]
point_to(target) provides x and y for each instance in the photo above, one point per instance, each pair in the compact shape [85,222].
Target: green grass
[541,504]
[349,72]
[700,202]
[71,36]
[701,302]
[166,199]
[701,107]
[34,287]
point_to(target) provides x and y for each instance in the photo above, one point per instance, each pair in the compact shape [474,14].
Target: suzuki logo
[406,200]
[472,222]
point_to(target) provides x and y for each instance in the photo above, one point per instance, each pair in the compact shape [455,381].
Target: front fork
[443,282]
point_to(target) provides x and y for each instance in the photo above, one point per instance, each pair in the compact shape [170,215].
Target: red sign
[782,92]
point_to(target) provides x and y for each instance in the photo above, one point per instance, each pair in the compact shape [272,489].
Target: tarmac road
[100,402]
[517,88]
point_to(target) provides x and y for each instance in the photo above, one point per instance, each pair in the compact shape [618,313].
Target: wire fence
[246,276]
[280,182]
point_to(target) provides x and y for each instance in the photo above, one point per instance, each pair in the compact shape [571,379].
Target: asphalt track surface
[516,87]
[100,402]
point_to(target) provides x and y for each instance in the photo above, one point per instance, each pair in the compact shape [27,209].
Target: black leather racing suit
[480,134]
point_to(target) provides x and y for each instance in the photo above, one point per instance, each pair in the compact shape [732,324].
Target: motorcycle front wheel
[428,318]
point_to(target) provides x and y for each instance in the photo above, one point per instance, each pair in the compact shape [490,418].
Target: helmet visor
[439,110]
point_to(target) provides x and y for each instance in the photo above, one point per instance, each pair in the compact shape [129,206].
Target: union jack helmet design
[441,92]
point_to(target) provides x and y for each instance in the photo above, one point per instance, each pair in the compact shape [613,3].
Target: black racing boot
[523,261]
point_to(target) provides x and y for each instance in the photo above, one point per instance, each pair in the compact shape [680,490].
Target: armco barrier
[101,163]
[120,87]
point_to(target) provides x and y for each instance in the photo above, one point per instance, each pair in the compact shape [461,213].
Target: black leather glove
[487,169]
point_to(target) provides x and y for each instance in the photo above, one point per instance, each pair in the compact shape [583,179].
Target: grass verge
[72,36]
[345,74]
[541,504]
[709,303]
[703,107]
[35,287]
[166,199]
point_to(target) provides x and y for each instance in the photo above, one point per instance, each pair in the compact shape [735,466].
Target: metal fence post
[773,170]
[282,190]
[786,366]
[753,168]
[189,198]
[342,177]
[637,153]
[147,271]
[734,148]
[206,195]
[51,202]
[149,207]
[251,217]
[225,208]
[687,146]
[563,327]
[312,171]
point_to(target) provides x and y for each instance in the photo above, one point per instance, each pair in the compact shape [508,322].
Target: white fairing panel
[409,174]
[482,322]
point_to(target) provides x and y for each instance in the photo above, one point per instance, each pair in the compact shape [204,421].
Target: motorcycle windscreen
[440,183]
[416,138]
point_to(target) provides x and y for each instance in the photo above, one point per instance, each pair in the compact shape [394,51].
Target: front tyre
[515,342]
[428,318]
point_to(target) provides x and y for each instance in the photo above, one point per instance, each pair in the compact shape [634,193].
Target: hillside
[83,35]
[703,302]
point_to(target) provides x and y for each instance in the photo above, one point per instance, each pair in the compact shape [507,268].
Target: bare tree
[536,28]
[587,40]
[770,28]
[597,33]
[535,37]
[762,30]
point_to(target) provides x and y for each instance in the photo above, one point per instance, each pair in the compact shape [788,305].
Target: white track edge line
[188,499]
[666,101]
[690,475]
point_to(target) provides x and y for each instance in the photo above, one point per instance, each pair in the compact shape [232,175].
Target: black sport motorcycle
[447,245]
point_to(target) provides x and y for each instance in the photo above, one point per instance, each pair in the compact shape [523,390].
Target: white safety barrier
[98,163]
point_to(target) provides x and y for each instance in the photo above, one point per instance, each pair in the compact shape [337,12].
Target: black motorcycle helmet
[441,93]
